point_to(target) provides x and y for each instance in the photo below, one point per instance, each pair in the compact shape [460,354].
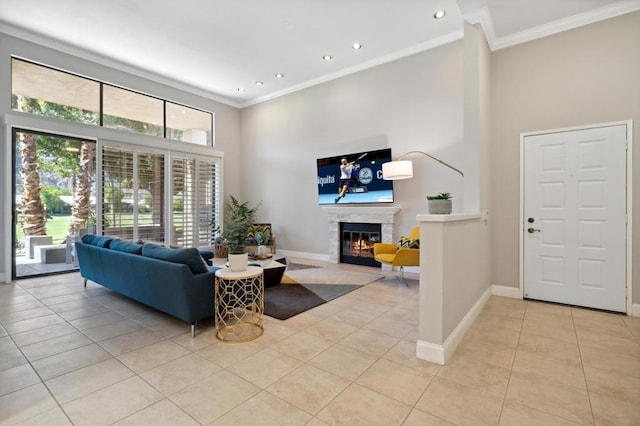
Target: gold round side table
[239,304]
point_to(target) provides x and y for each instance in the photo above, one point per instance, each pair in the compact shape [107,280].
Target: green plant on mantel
[440,196]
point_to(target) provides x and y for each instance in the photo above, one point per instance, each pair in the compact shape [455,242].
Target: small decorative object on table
[220,249]
[264,256]
[440,204]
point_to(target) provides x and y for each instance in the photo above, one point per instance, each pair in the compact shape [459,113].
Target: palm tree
[35,216]
[81,208]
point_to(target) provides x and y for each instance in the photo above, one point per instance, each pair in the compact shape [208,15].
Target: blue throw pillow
[88,239]
[102,241]
[187,256]
[125,246]
[97,240]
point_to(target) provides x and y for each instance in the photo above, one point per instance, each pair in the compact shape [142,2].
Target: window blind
[196,196]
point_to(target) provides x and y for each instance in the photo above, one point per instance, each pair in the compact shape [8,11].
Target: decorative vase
[439,206]
[238,262]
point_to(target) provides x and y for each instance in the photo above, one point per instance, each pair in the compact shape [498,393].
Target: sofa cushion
[97,240]
[102,241]
[88,239]
[125,246]
[187,256]
[207,255]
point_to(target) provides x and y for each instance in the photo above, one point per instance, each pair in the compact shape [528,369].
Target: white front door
[575,217]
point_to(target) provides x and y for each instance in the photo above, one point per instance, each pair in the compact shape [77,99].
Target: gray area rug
[292,266]
[306,286]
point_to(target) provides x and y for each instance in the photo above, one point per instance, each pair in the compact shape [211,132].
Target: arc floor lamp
[403,169]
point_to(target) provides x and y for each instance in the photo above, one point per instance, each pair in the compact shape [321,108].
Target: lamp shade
[395,170]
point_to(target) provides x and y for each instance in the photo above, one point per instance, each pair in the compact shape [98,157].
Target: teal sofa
[175,281]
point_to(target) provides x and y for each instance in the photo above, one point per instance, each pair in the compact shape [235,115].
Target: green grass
[57,227]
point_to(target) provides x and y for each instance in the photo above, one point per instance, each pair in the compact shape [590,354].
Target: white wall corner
[505,291]
[635,310]
[2,276]
[482,16]
[430,352]
[440,354]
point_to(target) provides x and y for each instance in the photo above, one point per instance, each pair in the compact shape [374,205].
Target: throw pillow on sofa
[125,246]
[97,240]
[188,256]
[88,239]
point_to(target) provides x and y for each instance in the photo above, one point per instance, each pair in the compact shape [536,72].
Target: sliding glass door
[53,200]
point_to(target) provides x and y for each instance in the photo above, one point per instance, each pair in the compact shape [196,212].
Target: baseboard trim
[505,291]
[440,354]
[430,352]
[635,310]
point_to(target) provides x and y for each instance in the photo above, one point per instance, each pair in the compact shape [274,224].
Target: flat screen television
[362,176]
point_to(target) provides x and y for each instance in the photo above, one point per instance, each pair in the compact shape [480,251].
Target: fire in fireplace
[357,240]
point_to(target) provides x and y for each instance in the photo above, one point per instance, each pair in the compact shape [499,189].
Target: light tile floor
[70,355]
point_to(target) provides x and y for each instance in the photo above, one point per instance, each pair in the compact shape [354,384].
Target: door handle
[532,230]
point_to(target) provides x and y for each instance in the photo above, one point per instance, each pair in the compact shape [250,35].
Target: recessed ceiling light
[240,89]
[259,83]
[440,14]
[279,75]
[356,46]
[327,57]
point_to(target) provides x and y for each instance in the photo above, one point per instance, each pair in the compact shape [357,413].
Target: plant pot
[238,262]
[439,206]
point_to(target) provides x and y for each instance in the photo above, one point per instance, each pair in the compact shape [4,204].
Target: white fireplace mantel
[385,216]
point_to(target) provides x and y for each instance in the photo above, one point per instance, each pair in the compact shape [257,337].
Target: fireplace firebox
[357,240]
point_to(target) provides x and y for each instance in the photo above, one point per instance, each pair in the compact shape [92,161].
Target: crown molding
[431,44]
[483,17]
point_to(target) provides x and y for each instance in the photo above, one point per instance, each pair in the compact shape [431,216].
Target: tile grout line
[513,361]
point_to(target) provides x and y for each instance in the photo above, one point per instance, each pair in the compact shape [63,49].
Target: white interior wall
[411,104]
[588,75]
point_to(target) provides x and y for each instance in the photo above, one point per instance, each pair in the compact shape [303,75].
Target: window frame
[210,133]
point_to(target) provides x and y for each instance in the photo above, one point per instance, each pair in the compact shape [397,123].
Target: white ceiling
[214,47]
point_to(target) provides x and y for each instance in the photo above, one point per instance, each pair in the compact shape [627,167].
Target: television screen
[354,178]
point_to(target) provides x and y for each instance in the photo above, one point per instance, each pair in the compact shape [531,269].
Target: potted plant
[238,220]
[440,204]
